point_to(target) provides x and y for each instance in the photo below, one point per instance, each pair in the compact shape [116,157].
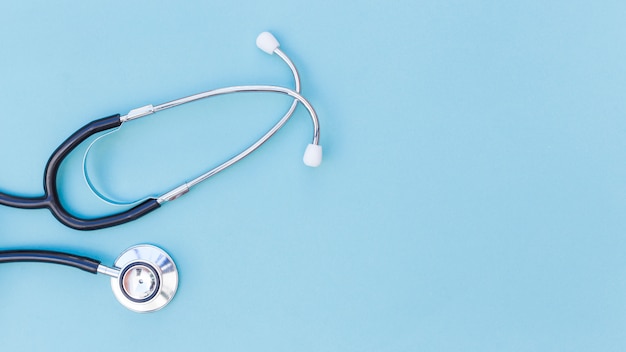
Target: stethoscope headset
[144,277]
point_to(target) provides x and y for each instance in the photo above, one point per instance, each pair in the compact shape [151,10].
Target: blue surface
[471,197]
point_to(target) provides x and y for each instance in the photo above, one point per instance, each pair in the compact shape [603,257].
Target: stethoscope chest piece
[147,279]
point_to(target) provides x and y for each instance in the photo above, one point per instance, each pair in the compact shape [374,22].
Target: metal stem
[112,272]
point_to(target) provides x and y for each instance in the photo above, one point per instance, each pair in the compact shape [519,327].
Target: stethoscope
[144,278]
[50,199]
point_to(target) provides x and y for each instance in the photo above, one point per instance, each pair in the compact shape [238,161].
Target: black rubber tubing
[42,256]
[51,199]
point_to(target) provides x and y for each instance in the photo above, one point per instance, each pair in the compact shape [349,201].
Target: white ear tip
[312,155]
[266,42]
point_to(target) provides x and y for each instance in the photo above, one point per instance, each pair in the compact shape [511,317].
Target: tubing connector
[137,113]
[173,194]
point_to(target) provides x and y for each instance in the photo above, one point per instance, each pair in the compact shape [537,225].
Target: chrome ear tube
[143,279]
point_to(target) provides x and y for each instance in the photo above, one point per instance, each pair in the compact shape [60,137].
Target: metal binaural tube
[295,94]
[185,187]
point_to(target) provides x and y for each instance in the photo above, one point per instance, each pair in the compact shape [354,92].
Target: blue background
[471,197]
